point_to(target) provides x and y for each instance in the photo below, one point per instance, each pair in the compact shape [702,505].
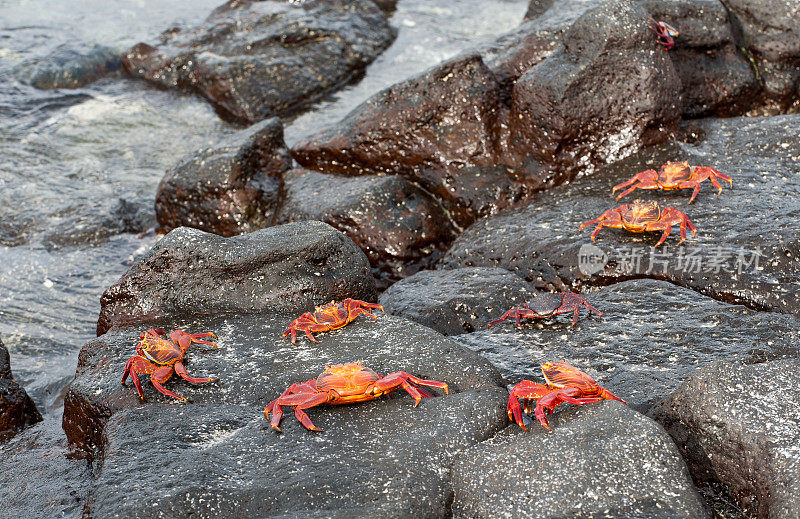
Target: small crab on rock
[160,357]
[672,176]
[331,316]
[565,383]
[643,216]
[548,305]
[345,384]
[665,33]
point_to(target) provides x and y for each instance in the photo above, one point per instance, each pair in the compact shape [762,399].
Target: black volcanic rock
[256,59]
[456,301]
[747,244]
[740,426]
[39,477]
[399,226]
[229,188]
[715,75]
[480,144]
[290,267]
[652,336]
[17,410]
[770,31]
[601,460]
[219,455]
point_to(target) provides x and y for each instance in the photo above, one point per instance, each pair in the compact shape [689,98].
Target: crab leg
[180,369]
[610,218]
[134,366]
[160,376]
[527,391]
[646,180]
[299,401]
[518,312]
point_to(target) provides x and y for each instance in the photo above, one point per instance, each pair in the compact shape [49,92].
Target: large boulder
[290,267]
[457,301]
[651,337]
[17,410]
[399,226]
[229,188]
[738,255]
[255,59]
[218,454]
[480,142]
[770,33]
[739,425]
[601,460]
[39,477]
[716,77]
[583,105]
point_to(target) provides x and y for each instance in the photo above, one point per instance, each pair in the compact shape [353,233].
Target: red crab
[672,176]
[565,383]
[548,305]
[344,384]
[331,316]
[160,358]
[665,33]
[643,216]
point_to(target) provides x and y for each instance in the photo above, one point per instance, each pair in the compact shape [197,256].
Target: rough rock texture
[383,457]
[740,425]
[770,31]
[480,144]
[747,246]
[583,105]
[255,59]
[437,129]
[716,76]
[290,267]
[229,188]
[70,67]
[601,460]
[537,37]
[652,336]
[37,479]
[17,410]
[456,301]
[399,226]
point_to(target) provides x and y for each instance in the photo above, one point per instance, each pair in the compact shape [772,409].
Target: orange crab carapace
[672,176]
[345,384]
[331,316]
[641,217]
[565,383]
[160,357]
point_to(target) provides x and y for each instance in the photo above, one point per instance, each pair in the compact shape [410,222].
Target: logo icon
[591,259]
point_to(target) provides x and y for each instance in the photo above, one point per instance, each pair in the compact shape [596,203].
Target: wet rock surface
[581,107]
[71,67]
[38,479]
[456,301]
[716,77]
[255,59]
[290,267]
[480,144]
[601,460]
[652,336]
[770,32]
[399,226]
[229,188]
[739,425]
[739,255]
[17,410]
[383,456]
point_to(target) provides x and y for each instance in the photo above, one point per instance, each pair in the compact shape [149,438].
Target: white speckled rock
[740,425]
[218,456]
[456,301]
[601,460]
